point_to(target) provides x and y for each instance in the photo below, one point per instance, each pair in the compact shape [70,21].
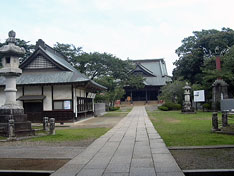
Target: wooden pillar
[52,96]
[146,96]
[131,97]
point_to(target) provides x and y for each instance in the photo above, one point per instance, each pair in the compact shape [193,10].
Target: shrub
[172,106]
[206,106]
[113,108]
[163,108]
[177,106]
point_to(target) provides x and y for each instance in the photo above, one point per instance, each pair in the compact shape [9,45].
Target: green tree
[70,51]
[195,49]
[104,68]
[173,92]
[115,90]
[227,71]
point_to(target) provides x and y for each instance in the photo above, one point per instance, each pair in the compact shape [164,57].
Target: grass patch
[72,135]
[124,109]
[178,129]
[115,114]
[37,127]
[3,138]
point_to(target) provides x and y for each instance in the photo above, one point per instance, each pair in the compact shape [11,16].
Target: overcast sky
[135,29]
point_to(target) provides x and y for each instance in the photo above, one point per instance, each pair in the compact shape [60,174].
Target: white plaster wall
[62,92]
[78,92]
[47,102]
[19,93]
[2,96]
[83,93]
[32,90]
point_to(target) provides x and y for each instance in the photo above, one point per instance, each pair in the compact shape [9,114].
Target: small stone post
[224,119]
[215,124]
[11,129]
[45,123]
[52,126]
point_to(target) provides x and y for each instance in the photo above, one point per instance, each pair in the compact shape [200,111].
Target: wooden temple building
[51,87]
[154,72]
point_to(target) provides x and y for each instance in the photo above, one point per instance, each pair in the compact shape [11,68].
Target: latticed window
[40,62]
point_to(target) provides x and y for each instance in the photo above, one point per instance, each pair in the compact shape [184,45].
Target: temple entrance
[34,111]
[30,107]
[149,93]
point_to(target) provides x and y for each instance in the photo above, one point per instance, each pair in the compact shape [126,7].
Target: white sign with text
[199,96]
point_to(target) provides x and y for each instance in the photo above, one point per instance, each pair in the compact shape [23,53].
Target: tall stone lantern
[187,106]
[11,111]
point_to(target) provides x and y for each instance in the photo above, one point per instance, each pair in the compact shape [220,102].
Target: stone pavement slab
[131,148]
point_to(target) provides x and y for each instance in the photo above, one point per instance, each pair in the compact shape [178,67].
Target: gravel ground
[204,158]
[151,108]
[21,155]
[82,143]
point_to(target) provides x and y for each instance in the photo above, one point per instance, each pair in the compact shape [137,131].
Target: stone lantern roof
[11,49]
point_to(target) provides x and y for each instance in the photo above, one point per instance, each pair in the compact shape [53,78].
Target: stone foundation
[21,125]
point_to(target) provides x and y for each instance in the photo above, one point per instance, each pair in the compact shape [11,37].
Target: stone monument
[219,92]
[220,87]
[11,111]
[187,106]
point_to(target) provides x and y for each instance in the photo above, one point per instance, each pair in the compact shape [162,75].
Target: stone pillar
[215,124]
[219,92]
[11,129]
[52,126]
[45,123]
[10,90]
[224,118]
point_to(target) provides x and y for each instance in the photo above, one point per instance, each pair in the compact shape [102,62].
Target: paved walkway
[132,147]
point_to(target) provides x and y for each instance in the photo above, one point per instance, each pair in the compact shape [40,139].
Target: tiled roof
[157,68]
[58,76]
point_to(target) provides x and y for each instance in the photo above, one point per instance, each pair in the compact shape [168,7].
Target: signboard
[199,96]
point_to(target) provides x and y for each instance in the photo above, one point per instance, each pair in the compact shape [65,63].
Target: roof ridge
[147,60]
[145,68]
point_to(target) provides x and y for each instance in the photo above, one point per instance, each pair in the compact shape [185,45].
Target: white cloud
[126,28]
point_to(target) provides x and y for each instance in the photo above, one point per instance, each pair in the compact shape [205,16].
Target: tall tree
[210,74]
[70,51]
[195,49]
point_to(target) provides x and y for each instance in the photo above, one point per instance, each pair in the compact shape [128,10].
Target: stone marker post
[52,126]
[215,124]
[11,129]
[45,123]
[224,119]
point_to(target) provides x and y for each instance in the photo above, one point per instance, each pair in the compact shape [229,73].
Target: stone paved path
[133,147]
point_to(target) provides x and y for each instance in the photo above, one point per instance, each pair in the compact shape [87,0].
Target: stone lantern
[187,106]
[11,111]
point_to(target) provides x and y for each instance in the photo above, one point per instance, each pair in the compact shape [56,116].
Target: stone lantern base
[22,127]
[187,108]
